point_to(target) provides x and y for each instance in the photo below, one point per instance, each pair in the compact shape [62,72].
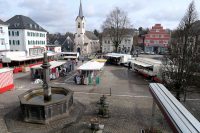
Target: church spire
[80,10]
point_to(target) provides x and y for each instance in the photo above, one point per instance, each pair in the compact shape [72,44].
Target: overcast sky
[60,15]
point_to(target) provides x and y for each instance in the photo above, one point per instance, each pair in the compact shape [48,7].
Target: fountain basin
[36,110]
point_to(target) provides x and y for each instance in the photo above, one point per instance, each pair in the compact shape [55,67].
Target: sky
[59,15]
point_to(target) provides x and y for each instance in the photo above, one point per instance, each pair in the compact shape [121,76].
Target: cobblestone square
[130,102]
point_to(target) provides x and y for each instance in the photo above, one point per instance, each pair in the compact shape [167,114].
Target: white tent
[92,65]
[52,63]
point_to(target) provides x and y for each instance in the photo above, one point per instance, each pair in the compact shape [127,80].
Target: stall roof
[25,58]
[52,63]
[91,65]
[3,70]
[141,63]
[70,57]
[117,54]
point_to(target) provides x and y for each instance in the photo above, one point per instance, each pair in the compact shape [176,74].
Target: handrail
[178,117]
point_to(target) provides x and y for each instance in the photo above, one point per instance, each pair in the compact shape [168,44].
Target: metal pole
[153,115]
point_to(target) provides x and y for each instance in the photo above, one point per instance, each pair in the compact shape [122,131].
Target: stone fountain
[48,103]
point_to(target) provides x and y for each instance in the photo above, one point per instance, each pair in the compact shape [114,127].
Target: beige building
[125,45]
[85,41]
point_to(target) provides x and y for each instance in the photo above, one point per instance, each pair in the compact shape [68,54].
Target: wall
[4,38]
[28,40]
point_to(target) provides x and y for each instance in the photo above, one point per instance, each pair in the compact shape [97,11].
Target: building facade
[125,45]
[26,35]
[157,40]
[85,41]
[4,39]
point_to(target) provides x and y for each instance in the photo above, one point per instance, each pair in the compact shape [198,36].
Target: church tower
[80,30]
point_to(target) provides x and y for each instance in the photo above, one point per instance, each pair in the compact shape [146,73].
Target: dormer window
[79,25]
[16,24]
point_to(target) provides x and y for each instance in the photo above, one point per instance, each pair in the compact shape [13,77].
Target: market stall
[89,73]
[56,69]
[6,79]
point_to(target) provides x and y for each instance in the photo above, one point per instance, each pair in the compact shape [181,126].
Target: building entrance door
[79,50]
[155,50]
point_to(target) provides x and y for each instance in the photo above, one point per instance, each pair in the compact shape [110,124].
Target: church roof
[23,22]
[80,10]
[91,35]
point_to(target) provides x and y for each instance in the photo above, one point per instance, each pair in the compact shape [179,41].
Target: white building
[26,35]
[4,40]
[85,41]
[125,45]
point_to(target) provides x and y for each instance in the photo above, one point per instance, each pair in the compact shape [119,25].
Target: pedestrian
[129,65]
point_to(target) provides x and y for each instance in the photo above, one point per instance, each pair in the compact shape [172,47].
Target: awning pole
[153,114]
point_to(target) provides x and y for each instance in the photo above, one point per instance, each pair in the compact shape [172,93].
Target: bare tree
[180,65]
[116,25]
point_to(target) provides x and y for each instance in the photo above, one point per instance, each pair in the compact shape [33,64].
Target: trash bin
[97,80]
[90,80]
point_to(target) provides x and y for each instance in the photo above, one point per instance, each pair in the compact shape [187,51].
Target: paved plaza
[130,102]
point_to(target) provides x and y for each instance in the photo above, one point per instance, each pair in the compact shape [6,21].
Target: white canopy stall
[55,69]
[89,73]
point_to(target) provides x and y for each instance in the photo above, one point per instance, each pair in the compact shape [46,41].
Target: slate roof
[91,35]
[80,10]
[23,22]
[127,32]
[3,23]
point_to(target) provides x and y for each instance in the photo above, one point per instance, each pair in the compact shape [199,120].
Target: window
[17,33]
[79,35]
[9,33]
[156,42]
[28,33]
[83,25]
[13,42]
[13,33]
[2,41]
[157,30]
[10,42]
[125,41]
[28,42]
[18,42]
[79,25]
[105,41]
[1,29]
[108,41]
